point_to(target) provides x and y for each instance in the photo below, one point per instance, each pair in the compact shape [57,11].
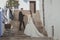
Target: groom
[21,17]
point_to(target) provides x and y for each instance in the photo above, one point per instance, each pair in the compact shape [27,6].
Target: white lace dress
[31,30]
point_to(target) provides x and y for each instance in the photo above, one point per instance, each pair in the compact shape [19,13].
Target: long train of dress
[31,30]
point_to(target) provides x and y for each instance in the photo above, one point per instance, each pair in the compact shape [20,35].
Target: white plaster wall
[40,10]
[52,14]
[26,6]
[48,16]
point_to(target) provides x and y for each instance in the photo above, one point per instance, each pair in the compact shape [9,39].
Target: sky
[26,6]
[2,3]
[23,3]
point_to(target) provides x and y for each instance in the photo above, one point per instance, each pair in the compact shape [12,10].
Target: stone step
[21,36]
[24,38]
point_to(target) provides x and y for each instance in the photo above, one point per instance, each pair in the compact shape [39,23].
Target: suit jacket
[21,16]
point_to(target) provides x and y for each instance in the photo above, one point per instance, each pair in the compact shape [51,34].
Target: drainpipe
[52,32]
[43,12]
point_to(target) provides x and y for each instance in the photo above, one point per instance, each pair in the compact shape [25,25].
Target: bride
[30,29]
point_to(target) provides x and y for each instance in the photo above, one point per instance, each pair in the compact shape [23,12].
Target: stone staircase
[21,36]
[36,18]
[15,34]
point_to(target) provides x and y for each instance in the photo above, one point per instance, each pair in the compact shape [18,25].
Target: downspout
[43,12]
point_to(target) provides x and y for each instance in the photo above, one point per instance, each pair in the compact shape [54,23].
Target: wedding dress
[31,30]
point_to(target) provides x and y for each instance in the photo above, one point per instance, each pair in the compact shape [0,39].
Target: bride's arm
[33,19]
[28,19]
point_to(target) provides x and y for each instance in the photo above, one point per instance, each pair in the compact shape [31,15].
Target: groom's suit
[21,17]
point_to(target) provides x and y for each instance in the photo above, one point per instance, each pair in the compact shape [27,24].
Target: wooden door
[33,6]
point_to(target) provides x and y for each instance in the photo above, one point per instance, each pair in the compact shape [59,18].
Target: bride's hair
[31,13]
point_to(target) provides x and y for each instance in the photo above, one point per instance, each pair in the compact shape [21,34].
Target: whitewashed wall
[40,10]
[52,17]
[26,6]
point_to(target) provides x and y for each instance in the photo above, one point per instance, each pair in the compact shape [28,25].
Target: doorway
[33,6]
